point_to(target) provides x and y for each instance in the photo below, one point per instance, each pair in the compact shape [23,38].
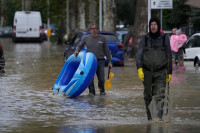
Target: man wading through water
[96,43]
[154,64]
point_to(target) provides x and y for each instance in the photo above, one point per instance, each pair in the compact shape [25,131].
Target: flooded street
[28,104]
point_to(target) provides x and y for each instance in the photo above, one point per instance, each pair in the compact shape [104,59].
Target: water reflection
[79,129]
[2,72]
[158,128]
[178,78]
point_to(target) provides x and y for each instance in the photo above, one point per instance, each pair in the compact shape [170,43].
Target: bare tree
[72,16]
[3,9]
[61,30]
[28,4]
[81,15]
[92,11]
[109,15]
[60,5]
[140,24]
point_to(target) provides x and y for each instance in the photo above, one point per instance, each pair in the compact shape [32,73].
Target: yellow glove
[168,78]
[141,74]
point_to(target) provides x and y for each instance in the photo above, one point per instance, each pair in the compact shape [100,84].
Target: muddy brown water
[28,105]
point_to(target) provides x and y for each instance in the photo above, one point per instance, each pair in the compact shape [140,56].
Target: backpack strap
[145,41]
[164,40]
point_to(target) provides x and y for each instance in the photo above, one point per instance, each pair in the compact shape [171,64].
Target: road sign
[161,4]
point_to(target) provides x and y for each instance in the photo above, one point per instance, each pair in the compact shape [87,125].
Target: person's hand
[110,65]
[168,78]
[75,53]
[140,74]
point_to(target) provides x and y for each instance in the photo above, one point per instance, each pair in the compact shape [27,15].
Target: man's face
[154,27]
[94,30]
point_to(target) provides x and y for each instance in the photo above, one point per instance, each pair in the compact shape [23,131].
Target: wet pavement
[28,105]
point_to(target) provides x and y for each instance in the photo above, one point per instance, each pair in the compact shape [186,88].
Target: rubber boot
[147,110]
[174,66]
[181,68]
[160,111]
[102,90]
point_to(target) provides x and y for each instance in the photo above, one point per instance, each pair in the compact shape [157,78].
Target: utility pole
[149,12]
[48,21]
[161,14]
[100,15]
[22,5]
[67,16]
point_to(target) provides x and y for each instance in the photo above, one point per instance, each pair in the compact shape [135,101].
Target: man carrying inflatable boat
[96,43]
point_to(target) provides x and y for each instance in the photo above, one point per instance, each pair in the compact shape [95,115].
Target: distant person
[176,42]
[154,64]
[174,31]
[96,43]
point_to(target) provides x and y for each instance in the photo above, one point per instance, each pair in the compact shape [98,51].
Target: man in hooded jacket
[154,64]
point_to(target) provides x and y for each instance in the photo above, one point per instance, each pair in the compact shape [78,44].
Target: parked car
[6,31]
[113,44]
[192,49]
[2,60]
[121,35]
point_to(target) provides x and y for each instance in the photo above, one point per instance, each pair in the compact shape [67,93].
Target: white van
[27,25]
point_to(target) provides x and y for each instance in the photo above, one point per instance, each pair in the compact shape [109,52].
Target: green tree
[178,16]
[140,24]
[194,19]
[126,11]
[109,15]
[8,13]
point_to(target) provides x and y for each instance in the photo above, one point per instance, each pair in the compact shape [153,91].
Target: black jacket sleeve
[169,55]
[139,53]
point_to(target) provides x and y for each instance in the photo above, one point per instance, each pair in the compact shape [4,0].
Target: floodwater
[27,104]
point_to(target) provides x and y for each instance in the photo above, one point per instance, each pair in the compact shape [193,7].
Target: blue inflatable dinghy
[76,74]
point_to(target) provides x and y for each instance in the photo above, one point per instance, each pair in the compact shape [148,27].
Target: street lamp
[67,16]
